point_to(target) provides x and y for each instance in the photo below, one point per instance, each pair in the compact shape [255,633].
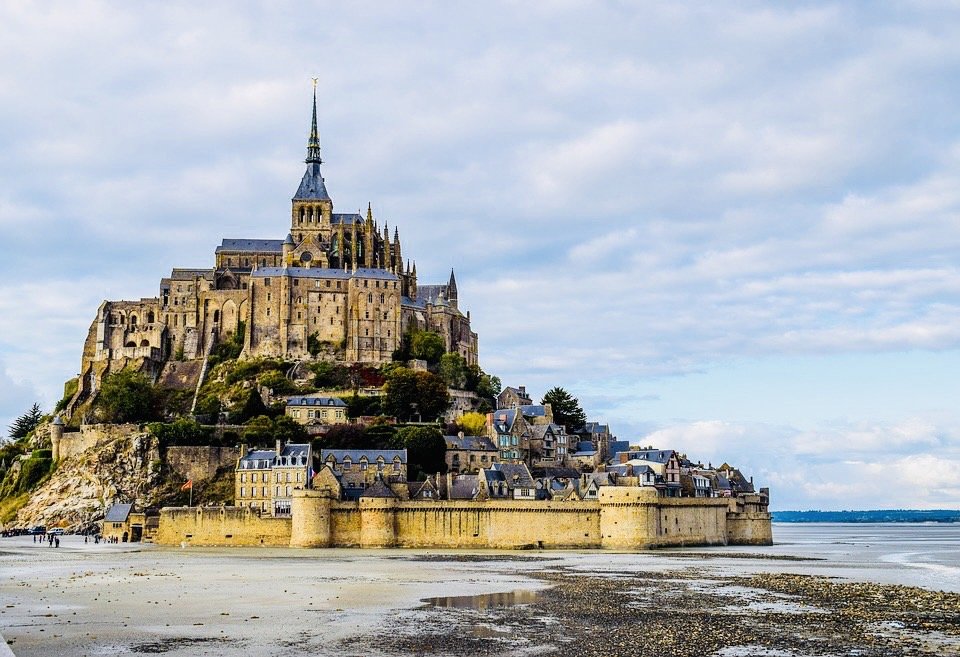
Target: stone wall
[200,463]
[77,442]
[622,518]
[221,526]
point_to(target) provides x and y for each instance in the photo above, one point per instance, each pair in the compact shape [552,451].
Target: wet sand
[789,599]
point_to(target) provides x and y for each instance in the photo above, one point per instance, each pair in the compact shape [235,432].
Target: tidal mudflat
[821,590]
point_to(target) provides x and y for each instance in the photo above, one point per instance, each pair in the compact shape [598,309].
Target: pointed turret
[311,186]
[452,288]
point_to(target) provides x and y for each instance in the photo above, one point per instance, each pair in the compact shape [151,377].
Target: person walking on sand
[56,541]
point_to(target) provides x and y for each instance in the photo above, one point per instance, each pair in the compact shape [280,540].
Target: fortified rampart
[622,518]
[90,435]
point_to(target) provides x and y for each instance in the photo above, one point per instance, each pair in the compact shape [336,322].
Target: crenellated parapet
[622,518]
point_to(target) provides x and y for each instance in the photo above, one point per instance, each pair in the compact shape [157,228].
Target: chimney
[279,448]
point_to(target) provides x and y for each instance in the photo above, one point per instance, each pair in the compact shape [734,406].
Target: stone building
[317,410]
[265,479]
[467,454]
[337,287]
[359,469]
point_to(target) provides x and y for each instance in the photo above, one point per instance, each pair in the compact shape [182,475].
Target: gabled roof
[416,488]
[378,489]
[260,455]
[316,401]
[118,513]
[295,449]
[464,487]
[534,410]
[554,472]
[251,246]
[503,419]
[476,443]
[515,474]
[654,455]
[357,454]
[596,427]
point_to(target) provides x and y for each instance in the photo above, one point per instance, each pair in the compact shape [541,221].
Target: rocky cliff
[124,469]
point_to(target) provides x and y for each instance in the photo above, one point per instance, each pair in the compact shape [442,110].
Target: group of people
[52,539]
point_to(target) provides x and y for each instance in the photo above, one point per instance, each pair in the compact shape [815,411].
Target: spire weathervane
[313,145]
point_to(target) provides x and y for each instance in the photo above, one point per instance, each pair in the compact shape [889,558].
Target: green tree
[180,432]
[426,451]
[566,409]
[453,369]
[258,430]
[428,346]
[330,376]
[26,423]
[127,396]
[289,430]
[410,395]
[252,407]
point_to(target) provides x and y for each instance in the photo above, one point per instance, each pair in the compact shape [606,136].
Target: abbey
[338,284]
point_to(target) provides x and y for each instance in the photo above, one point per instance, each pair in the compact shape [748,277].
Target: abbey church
[338,280]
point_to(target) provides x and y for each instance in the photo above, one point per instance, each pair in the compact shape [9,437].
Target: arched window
[335,246]
[150,317]
[369,297]
[131,343]
[216,316]
[133,320]
[144,343]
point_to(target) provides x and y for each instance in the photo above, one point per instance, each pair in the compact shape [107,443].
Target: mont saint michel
[309,392]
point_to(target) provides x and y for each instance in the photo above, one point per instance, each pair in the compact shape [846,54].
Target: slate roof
[184,274]
[655,455]
[346,219]
[378,489]
[549,472]
[476,443]
[316,401]
[503,419]
[596,427]
[617,446]
[515,474]
[118,513]
[251,460]
[251,246]
[585,446]
[357,454]
[295,449]
[311,185]
[320,272]
[464,487]
[534,410]
[431,293]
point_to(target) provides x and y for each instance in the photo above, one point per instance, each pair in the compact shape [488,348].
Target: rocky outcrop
[124,469]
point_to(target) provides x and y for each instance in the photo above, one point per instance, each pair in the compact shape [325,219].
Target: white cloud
[626,191]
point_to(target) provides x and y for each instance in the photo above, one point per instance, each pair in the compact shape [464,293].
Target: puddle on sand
[485,600]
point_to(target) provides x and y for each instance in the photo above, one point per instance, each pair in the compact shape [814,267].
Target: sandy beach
[846,592]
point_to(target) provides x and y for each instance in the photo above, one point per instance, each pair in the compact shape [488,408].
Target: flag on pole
[188,485]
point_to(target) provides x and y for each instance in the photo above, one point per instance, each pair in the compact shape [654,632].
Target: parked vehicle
[37,529]
[57,531]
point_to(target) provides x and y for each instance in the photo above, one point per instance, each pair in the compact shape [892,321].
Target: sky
[729,229]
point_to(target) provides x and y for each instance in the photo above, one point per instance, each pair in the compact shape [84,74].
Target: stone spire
[452,287]
[313,144]
[312,187]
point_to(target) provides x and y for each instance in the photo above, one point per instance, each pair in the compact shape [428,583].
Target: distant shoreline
[871,516]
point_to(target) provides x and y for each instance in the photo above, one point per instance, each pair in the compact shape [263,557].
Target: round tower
[56,434]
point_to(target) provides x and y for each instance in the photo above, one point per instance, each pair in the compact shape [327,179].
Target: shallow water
[83,599]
